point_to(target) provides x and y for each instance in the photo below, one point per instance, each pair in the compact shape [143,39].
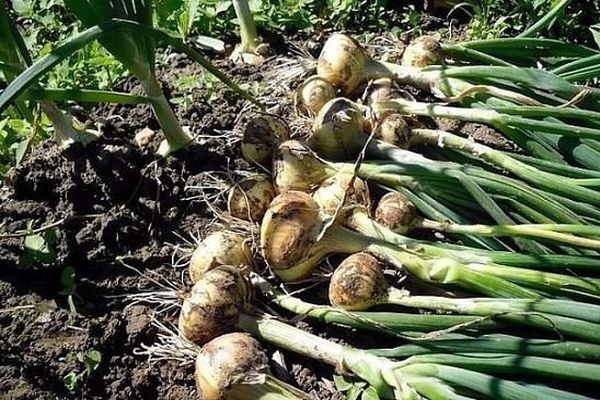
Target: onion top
[396,212]
[249,199]
[213,305]
[358,283]
[313,94]
[421,52]
[220,248]
[228,362]
[261,136]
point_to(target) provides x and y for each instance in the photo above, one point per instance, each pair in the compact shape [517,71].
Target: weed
[91,360]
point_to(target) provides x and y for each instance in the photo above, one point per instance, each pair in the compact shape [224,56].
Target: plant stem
[248,33]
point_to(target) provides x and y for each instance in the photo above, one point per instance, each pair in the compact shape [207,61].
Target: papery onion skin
[289,229]
[213,305]
[220,248]
[342,62]
[396,212]
[249,198]
[261,136]
[229,360]
[313,94]
[296,167]
[422,52]
[358,283]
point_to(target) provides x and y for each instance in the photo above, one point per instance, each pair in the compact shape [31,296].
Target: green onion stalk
[329,131]
[203,317]
[338,134]
[346,65]
[340,192]
[250,50]
[297,168]
[358,284]
[396,212]
[296,236]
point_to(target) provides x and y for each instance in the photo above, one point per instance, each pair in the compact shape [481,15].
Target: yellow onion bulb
[213,305]
[342,62]
[288,235]
[331,192]
[296,167]
[313,94]
[228,363]
[422,52]
[261,136]
[249,199]
[220,248]
[358,283]
[339,129]
[396,212]
[395,130]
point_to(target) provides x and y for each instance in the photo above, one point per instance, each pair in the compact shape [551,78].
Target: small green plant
[91,360]
[67,279]
[39,247]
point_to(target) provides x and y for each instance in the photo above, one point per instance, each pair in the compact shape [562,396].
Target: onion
[262,134]
[342,62]
[219,248]
[395,130]
[226,365]
[358,283]
[249,199]
[313,94]
[396,212]
[336,129]
[214,304]
[331,192]
[295,167]
[422,52]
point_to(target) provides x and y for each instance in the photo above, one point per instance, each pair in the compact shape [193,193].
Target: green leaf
[40,246]
[21,150]
[222,6]
[595,34]
[91,360]
[67,278]
[369,394]
[70,381]
[341,383]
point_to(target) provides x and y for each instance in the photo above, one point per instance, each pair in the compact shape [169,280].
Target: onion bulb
[395,130]
[295,167]
[226,365]
[261,136]
[331,192]
[213,305]
[396,212]
[337,127]
[220,248]
[358,283]
[313,94]
[249,199]
[422,52]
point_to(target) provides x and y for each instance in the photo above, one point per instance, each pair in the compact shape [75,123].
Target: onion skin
[313,94]
[329,195]
[249,199]
[289,229]
[342,62]
[358,283]
[220,248]
[261,136]
[227,361]
[295,167]
[422,52]
[213,305]
[396,212]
